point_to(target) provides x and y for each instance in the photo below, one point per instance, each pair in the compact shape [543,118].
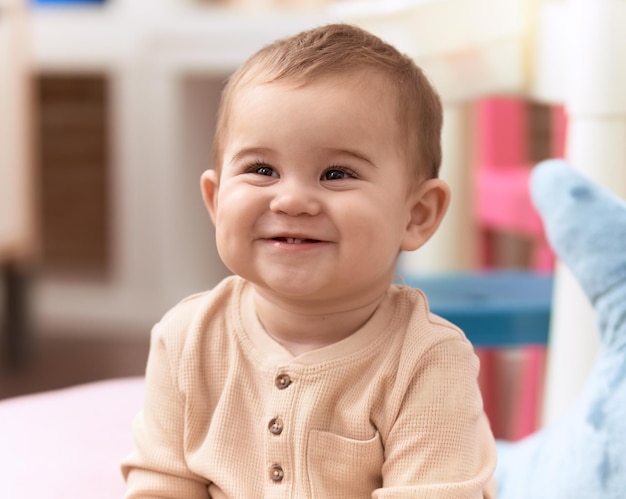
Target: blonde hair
[340,49]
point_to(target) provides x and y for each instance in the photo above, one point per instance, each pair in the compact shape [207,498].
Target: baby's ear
[428,205]
[209,184]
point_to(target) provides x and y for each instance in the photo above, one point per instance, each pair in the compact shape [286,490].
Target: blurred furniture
[509,141]
[503,163]
[18,241]
[496,309]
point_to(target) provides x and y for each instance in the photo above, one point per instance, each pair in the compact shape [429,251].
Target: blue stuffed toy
[584,454]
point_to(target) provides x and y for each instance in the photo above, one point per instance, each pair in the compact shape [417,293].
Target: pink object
[503,204]
[68,443]
[502,173]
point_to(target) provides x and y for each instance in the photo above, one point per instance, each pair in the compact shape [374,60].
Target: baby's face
[312,200]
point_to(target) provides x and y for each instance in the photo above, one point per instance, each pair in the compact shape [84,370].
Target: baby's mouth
[294,240]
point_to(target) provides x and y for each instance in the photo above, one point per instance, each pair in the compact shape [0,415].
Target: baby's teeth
[293,240]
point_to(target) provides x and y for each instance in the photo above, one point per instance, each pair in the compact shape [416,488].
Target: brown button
[276,426]
[282,381]
[276,473]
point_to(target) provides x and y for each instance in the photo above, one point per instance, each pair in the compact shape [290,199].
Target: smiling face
[313,203]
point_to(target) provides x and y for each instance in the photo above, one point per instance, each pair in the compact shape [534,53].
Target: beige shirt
[393,410]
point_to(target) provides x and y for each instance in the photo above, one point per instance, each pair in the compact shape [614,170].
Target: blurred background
[106,117]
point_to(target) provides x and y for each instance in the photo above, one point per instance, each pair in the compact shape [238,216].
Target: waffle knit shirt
[393,410]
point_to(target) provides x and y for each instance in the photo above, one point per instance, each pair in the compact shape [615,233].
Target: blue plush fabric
[584,454]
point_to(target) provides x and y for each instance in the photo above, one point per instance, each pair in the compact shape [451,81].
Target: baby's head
[327,153]
[341,50]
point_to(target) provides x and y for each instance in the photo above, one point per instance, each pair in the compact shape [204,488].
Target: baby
[308,373]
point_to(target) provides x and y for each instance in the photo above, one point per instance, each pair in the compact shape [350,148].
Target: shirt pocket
[344,467]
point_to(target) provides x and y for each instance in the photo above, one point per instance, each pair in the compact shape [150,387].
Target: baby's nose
[295,198]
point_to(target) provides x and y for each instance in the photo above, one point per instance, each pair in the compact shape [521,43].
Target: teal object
[499,309]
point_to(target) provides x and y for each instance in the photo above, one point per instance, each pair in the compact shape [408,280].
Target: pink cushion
[68,443]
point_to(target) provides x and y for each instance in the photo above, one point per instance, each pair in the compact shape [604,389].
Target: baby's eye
[261,169]
[338,174]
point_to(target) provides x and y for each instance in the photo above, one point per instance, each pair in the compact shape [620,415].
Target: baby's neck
[301,329]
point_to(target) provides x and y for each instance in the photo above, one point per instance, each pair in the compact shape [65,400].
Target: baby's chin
[296,293]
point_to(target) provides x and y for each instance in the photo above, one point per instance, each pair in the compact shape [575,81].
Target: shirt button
[276,473]
[276,426]
[282,381]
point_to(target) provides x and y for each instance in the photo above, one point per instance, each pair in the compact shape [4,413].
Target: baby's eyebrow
[350,152]
[250,151]
[266,152]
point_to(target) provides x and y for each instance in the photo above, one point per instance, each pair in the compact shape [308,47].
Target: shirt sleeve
[157,467]
[441,445]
